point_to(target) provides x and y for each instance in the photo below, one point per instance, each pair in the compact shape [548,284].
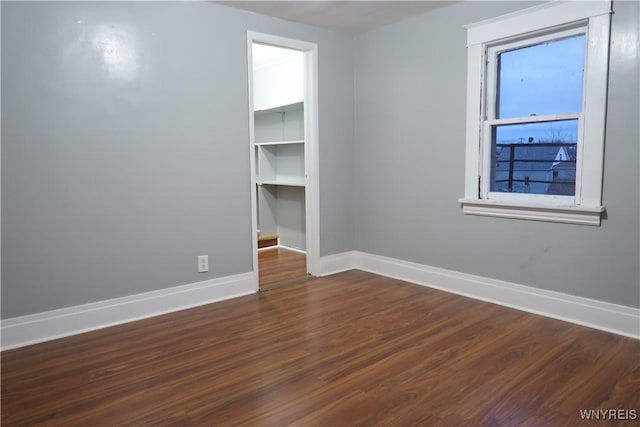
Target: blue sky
[541,79]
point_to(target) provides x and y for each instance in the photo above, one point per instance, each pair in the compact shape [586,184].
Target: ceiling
[345,16]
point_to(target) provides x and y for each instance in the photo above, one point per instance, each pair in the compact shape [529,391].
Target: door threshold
[287,283]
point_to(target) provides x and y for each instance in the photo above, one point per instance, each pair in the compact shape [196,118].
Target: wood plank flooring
[350,349]
[277,266]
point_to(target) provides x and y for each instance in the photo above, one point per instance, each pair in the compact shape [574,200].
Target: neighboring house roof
[562,155]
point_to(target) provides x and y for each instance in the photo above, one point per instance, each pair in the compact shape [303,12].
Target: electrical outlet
[203,263]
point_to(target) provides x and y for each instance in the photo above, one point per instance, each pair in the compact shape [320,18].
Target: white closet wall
[278,83]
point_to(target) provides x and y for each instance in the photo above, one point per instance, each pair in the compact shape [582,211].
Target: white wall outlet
[203,263]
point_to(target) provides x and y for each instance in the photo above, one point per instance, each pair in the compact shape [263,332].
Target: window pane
[542,79]
[537,158]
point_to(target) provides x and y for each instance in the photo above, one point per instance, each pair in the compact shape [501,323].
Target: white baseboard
[39,327]
[289,248]
[338,263]
[49,325]
[601,315]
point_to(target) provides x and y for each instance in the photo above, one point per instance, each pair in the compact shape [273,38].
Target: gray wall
[409,164]
[115,177]
[125,147]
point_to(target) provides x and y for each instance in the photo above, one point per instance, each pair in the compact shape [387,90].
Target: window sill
[585,215]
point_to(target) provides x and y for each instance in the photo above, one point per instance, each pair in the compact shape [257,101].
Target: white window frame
[531,26]
[490,121]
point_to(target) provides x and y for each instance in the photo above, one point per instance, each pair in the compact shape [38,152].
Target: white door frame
[312,199]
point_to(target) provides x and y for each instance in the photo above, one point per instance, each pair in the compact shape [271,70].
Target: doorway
[283,155]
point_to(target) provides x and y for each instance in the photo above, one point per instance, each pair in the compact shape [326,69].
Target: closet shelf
[296,141]
[280,109]
[290,182]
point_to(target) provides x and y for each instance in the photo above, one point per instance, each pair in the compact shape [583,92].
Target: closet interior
[279,149]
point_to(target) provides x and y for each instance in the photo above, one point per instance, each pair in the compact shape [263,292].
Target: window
[536,105]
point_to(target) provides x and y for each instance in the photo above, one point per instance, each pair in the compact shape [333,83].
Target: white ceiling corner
[351,17]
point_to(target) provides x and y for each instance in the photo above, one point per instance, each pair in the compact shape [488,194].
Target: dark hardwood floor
[349,349]
[278,266]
